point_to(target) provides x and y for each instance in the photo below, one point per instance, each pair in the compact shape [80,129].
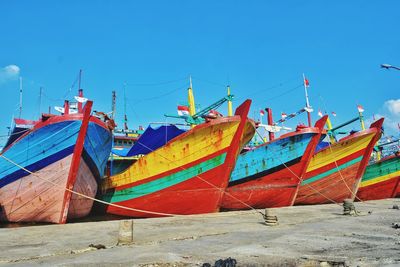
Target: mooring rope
[353,194]
[310,186]
[222,190]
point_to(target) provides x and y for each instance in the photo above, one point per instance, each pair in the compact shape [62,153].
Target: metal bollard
[125,236]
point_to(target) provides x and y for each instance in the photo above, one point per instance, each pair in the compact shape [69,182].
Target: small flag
[262,113]
[333,114]
[306,82]
[183,111]
[320,113]
[81,99]
[283,115]
[360,108]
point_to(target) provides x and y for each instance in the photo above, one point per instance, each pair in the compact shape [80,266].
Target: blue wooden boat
[40,169]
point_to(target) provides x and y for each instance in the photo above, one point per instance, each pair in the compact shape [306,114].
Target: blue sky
[260,48]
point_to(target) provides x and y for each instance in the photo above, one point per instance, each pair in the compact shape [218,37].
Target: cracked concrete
[306,236]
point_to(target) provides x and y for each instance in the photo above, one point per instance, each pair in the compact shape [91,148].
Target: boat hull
[48,151]
[381,179]
[269,175]
[186,176]
[334,173]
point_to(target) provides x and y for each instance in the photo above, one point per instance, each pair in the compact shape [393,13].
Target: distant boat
[269,175]
[187,175]
[335,171]
[57,153]
[123,140]
[381,179]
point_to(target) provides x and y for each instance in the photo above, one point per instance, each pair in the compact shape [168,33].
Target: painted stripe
[259,161]
[265,172]
[192,146]
[381,168]
[35,166]
[338,151]
[379,179]
[39,145]
[331,171]
[165,182]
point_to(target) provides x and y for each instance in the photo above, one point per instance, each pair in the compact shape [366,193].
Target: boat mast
[80,91]
[307,101]
[360,114]
[192,108]
[270,121]
[230,112]
[20,96]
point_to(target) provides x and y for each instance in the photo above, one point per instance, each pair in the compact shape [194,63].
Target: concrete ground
[306,236]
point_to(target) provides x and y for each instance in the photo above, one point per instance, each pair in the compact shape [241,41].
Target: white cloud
[393,106]
[10,72]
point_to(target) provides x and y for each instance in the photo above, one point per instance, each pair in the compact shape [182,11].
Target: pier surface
[305,236]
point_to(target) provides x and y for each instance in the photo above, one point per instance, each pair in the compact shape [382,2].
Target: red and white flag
[333,114]
[262,113]
[360,108]
[320,113]
[283,115]
[183,111]
[306,82]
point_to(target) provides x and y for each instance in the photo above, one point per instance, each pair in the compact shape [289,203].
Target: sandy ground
[306,236]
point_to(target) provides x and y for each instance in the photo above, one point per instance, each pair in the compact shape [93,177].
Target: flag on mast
[183,111]
[333,114]
[283,115]
[360,108]
[262,113]
[320,113]
[306,82]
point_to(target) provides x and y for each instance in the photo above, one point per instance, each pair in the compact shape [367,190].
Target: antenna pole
[114,96]
[40,99]
[79,79]
[125,117]
[20,96]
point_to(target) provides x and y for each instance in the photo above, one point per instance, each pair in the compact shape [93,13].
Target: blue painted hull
[42,149]
[268,158]
[269,175]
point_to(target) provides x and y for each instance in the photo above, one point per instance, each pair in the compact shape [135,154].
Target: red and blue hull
[60,153]
[269,175]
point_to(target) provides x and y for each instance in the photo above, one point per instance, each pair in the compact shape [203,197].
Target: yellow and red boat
[381,179]
[187,175]
[334,172]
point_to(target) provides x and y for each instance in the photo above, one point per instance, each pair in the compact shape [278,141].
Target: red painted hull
[277,189]
[190,197]
[330,189]
[198,194]
[382,190]
[343,184]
